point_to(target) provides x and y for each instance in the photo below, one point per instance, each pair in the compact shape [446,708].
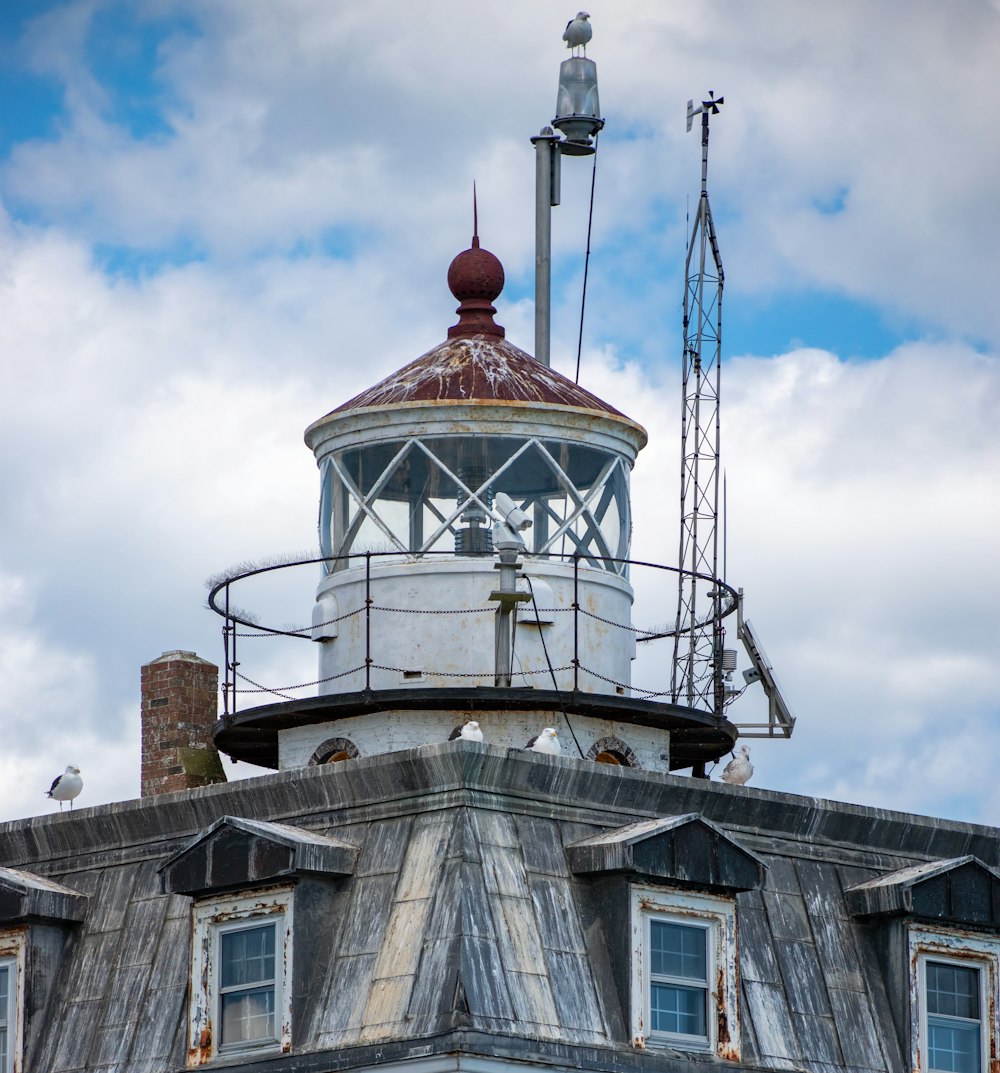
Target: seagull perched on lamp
[546,742]
[470,731]
[739,769]
[578,32]
[66,786]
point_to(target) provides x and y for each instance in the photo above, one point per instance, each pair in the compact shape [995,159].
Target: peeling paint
[202,1051]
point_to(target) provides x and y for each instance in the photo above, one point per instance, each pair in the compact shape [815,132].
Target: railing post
[576,622]
[235,661]
[368,620]
[225,653]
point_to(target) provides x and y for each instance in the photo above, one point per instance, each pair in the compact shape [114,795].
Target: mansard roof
[463,928]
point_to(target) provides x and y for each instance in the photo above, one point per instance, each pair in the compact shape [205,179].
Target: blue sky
[232,217]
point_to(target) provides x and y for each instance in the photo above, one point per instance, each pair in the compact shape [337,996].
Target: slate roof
[462,928]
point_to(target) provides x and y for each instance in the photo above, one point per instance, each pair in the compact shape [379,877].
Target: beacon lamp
[577,121]
[578,108]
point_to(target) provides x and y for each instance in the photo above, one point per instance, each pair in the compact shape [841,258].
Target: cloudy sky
[220,220]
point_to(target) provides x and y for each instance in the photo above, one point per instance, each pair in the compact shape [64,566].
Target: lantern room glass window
[435,494]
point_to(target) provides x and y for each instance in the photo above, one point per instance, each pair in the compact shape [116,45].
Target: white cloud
[150,428]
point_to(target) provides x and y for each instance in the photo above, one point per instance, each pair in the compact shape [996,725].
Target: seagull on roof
[578,32]
[470,731]
[66,786]
[739,769]
[546,742]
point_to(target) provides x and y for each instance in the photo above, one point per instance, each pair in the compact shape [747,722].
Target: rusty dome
[476,364]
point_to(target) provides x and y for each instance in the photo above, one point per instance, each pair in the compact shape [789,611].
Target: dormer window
[678,979]
[12,963]
[682,943]
[241,965]
[953,1001]
[245,875]
[250,979]
[957,983]
[674,880]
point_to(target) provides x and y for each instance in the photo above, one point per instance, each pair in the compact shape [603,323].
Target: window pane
[953,990]
[953,1046]
[4,1006]
[248,1016]
[678,1009]
[247,956]
[677,950]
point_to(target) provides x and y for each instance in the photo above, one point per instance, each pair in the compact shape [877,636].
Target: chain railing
[241,626]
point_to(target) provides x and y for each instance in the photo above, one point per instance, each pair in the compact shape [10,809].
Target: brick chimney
[179,707]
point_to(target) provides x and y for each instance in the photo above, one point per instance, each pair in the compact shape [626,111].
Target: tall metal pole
[547,175]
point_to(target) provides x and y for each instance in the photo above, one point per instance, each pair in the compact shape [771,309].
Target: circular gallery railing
[575,663]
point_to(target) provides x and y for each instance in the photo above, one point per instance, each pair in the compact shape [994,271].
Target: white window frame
[717,916]
[14,957]
[211,918]
[963,950]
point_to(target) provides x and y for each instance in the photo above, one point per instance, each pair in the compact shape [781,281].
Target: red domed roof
[477,368]
[476,364]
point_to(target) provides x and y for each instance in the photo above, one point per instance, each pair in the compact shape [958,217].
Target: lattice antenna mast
[697,677]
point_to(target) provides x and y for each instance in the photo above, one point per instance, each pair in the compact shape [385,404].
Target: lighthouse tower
[475,528]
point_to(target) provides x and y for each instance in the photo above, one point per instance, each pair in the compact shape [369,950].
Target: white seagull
[578,32]
[739,769]
[546,742]
[470,731]
[66,786]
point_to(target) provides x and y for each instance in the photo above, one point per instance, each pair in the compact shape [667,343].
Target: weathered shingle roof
[463,927]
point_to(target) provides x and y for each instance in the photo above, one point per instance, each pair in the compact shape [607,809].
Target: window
[242,962]
[7,1013]
[678,980]
[13,946]
[954,987]
[954,1025]
[684,971]
[249,987]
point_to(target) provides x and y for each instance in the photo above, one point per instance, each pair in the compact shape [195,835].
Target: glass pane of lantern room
[422,496]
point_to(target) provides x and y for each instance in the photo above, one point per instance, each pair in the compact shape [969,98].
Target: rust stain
[473,369]
[720,1007]
[259,910]
[202,1051]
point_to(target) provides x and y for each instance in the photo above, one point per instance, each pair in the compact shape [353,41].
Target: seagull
[66,786]
[469,731]
[546,742]
[739,769]
[578,32]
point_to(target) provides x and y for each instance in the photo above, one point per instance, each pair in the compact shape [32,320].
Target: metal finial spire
[475,218]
